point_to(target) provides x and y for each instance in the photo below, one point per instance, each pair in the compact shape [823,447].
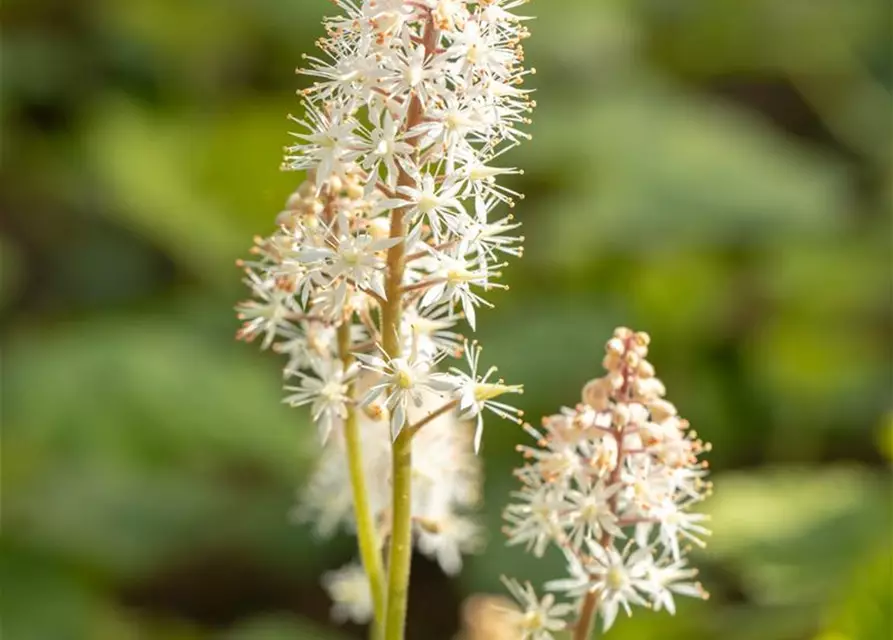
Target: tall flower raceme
[390,243]
[614,483]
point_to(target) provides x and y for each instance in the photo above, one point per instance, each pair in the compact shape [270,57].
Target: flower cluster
[421,98]
[614,484]
[446,482]
[390,243]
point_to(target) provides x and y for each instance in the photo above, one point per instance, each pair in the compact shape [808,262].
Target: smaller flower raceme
[614,483]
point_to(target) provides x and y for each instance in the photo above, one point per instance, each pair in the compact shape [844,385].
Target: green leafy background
[717,172]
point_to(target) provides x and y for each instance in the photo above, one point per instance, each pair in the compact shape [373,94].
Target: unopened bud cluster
[413,104]
[614,483]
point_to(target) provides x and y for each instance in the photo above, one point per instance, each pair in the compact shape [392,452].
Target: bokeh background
[716,172]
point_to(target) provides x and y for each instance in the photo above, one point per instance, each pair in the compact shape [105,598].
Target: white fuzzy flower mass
[413,105]
[446,475]
[615,484]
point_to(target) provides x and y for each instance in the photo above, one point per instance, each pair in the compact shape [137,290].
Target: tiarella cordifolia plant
[614,484]
[390,243]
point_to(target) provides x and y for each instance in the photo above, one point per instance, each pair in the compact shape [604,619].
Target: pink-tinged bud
[615,347]
[623,333]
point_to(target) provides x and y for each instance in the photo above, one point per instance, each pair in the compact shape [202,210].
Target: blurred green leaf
[762,34]
[862,610]
[885,437]
[155,442]
[792,532]
[44,599]
[278,628]
[10,271]
[179,181]
[645,168]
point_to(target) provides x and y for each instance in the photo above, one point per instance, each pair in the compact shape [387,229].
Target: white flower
[348,588]
[663,580]
[449,14]
[326,392]
[386,147]
[477,392]
[452,279]
[353,74]
[429,331]
[619,579]
[403,381]
[675,523]
[449,126]
[329,144]
[436,203]
[355,258]
[413,72]
[534,519]
[591,512]
[268,314]
[538,619]
[487,238]
[445,540]
[306,344]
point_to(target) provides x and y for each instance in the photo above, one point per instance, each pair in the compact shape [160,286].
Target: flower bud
[596,394]
[645,369]
[612,362]
[379,228]
[620,416]
[335,185]
[661,410]
[307,188]
[638,414]
[285,218]
[615,347]
[295,201]
[650,388]
[623,333]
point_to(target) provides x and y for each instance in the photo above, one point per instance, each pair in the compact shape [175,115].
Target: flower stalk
[589,608]
[367,534]
[400,549]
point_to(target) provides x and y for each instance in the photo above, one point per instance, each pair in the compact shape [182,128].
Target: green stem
[400,556]
[367,537]
[400,552]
